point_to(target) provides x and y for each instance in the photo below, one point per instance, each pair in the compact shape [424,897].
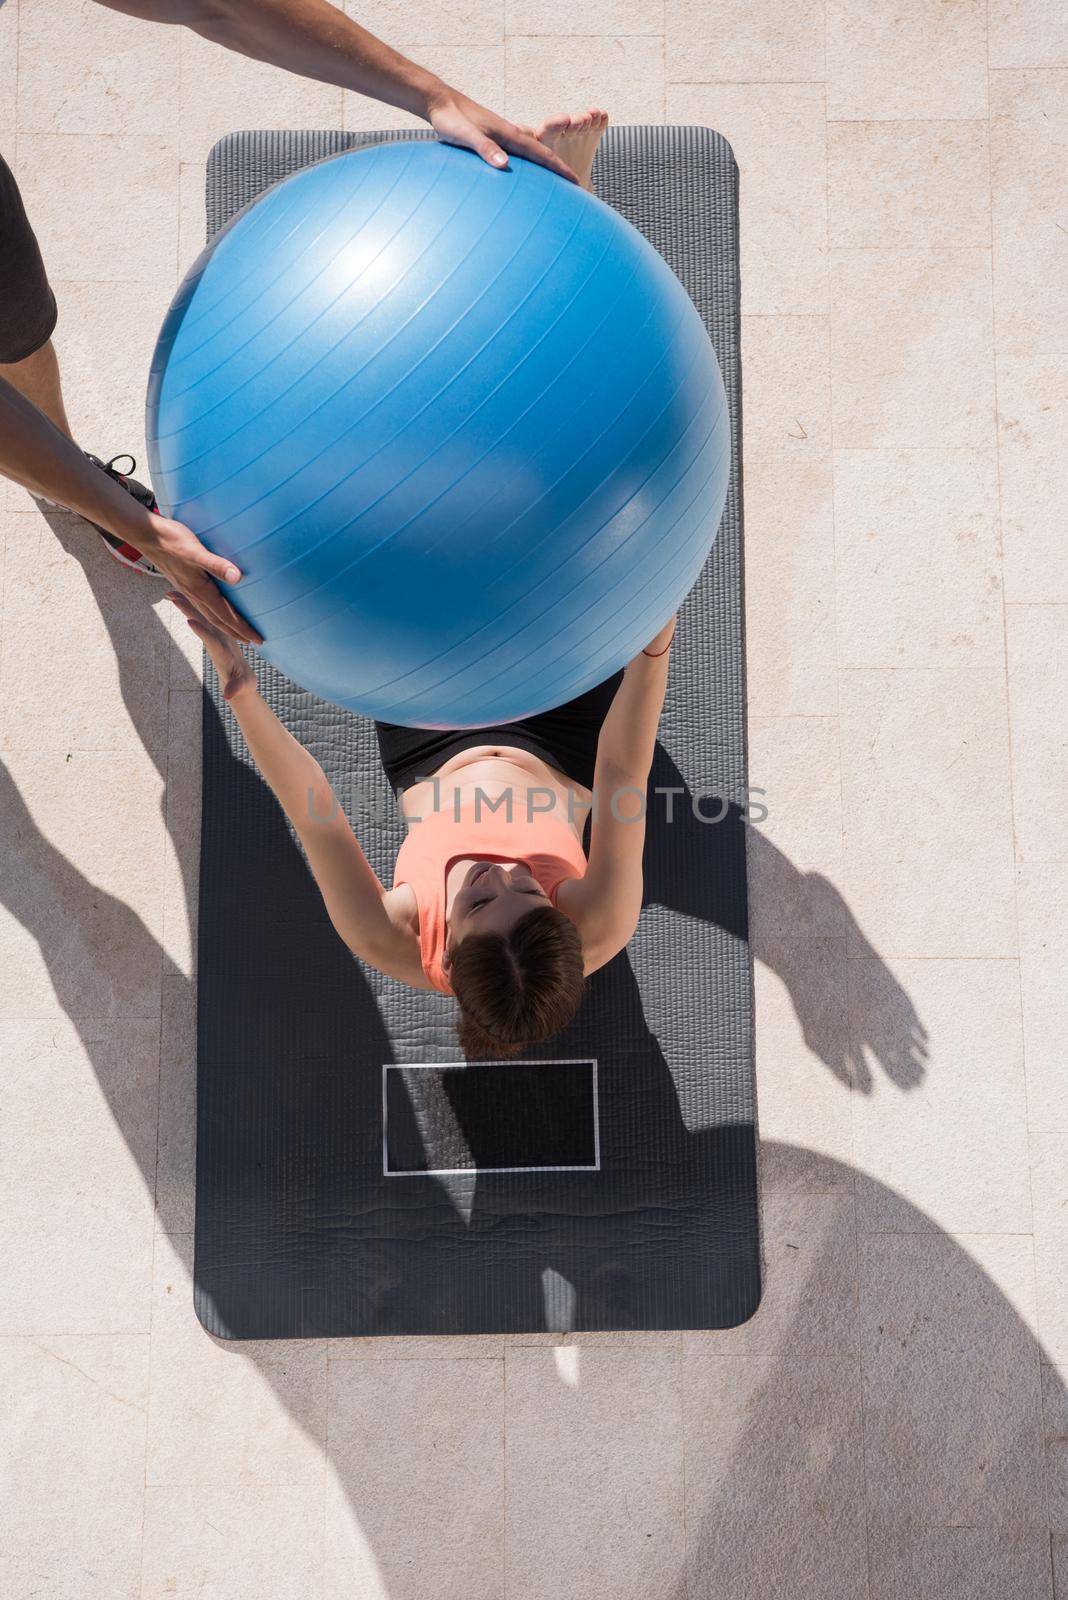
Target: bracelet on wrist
[654,655]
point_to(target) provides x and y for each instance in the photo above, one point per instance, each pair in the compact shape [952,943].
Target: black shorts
[565,738]
[27,304]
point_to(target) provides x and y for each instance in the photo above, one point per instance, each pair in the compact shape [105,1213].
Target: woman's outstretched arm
[351,891]
[606,903]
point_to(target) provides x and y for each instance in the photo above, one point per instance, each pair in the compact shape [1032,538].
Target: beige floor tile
[1041,895]
[953,1153]
[616,17]
[1028,33]
[72,1438]
[77,1175]
[176,1138]
[778,135]
[906,60]
[238,1415]
[809,1303]
[625,74]
[416,1433]
[959,1564]
[221,91]
[241,1541]
[69,183]
[117,697]
[182,840]
[773,41]
[192,216]
[475,70]
[80,72]
[774,1477]
[796,761]
[952,1414]
[594,1474]
[80,902]
[406,23]
[896,185]
[9,56]
[1049,1189]
[927,825]
[1032,405]
[1037,638]
[911,349]
[791,660]
[918,558]
[1044,997]
[786,394]
[1029,187]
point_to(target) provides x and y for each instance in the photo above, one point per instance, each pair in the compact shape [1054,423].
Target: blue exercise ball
[462,430]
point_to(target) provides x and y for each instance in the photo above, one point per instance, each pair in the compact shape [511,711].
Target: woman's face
[492,898]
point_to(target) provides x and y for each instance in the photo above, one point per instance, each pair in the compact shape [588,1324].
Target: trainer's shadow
[697,848]
[151,670]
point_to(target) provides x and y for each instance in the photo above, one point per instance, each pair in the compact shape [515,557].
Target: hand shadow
[802,929]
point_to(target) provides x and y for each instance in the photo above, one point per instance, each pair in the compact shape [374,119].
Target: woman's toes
[554,126]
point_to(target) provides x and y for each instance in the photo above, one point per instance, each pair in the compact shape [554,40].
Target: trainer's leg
[27,309]
[37,377]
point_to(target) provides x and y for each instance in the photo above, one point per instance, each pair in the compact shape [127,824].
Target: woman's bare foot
[575,140]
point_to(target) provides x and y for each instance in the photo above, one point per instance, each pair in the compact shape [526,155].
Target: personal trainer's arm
[36,454]
[606,902]
[316,40]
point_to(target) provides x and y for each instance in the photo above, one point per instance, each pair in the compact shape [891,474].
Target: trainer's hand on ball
[192,568]
[458,120]
[230,663]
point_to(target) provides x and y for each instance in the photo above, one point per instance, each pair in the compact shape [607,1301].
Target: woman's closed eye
[485,902]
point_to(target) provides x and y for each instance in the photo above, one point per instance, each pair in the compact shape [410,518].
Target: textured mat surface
[302,1228]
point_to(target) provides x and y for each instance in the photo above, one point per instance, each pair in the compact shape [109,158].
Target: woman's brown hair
[517,988]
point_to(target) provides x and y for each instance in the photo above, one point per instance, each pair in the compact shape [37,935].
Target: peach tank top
[546,843]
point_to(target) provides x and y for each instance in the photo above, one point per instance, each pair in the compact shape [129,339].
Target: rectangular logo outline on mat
[474,1172]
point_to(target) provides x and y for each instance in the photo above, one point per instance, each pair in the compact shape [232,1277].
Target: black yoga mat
[354,1176]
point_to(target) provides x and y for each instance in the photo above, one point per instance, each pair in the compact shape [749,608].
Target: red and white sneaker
[125,553]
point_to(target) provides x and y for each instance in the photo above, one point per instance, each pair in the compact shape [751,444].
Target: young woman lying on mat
[493,899]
